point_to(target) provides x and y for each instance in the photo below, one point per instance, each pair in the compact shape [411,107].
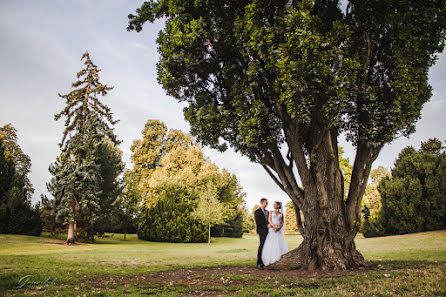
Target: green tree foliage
[171,220]
[346,168]
[127,206]
[290,217]
[378,174]
[280,80]
[249,223]
[209,210]
[84,179]
[17,216]
[48,216]
[109,157]
[414,196]
[22,161]
[371,203]
[168,158]
[189,167]
[147,152]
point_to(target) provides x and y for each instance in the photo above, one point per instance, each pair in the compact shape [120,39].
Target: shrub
[170,220]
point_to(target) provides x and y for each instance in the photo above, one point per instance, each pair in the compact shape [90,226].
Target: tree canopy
[169,162]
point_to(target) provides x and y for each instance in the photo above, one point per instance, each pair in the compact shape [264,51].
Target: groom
[261,216]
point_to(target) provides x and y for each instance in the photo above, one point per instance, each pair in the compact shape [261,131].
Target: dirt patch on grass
[250,272]
[202,279]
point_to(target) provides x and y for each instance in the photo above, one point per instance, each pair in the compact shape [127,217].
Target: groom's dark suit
[262,229]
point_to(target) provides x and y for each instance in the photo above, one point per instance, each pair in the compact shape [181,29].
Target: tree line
[172,193]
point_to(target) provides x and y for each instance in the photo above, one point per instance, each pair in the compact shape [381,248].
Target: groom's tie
[265,213]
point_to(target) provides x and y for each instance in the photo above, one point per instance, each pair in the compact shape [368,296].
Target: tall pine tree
[76,182]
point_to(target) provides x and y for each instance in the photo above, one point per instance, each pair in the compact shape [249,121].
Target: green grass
[409,265]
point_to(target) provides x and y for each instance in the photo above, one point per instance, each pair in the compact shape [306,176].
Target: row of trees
[172,192]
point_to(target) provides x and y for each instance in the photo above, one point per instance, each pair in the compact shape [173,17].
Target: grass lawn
[406,265]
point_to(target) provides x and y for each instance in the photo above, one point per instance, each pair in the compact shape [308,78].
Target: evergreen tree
[109,157]
[77,180]
[48,216]
[17,216]
[414,196]
[169,219]
[21,160]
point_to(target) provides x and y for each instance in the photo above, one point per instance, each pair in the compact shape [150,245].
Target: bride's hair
[279,203]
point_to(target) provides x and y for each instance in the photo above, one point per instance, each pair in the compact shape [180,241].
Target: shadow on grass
[402,264]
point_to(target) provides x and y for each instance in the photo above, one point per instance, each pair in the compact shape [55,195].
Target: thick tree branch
[365,155]
[300,226]
[291,131]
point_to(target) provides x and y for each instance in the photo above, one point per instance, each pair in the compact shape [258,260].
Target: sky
[41,43]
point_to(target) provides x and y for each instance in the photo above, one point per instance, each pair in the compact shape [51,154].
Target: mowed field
[404,265]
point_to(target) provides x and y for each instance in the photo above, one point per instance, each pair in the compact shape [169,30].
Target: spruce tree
[76,174]
[413,197]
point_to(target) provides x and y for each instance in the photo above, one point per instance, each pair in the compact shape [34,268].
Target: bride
[275,244]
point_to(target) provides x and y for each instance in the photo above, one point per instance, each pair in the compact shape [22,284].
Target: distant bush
[170,220]
[414,198]
[232,228]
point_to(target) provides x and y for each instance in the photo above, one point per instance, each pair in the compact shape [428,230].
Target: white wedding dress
[275,245]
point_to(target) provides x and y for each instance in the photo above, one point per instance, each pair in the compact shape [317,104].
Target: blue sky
[41,43]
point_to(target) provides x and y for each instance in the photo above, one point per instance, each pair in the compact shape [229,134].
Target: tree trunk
[209,232]
[325,247]
[329,228]
[70,236]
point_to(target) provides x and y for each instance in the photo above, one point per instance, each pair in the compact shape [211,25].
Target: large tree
[77,174]
[281,80]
